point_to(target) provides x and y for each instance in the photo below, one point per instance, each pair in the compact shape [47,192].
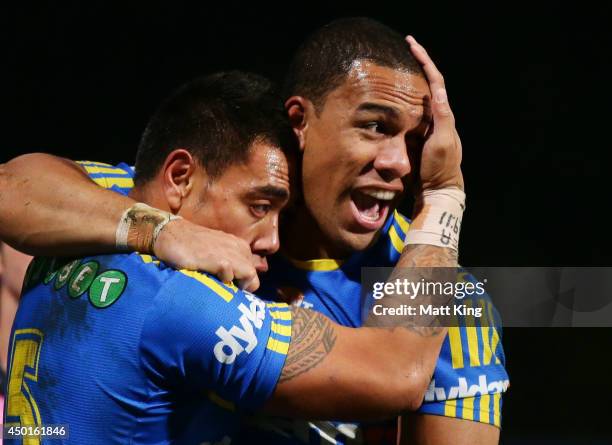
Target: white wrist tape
[123,228]
[141,217]
[438,221]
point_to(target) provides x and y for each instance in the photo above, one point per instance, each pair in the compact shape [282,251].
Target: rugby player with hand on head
[359,104]
[123,348]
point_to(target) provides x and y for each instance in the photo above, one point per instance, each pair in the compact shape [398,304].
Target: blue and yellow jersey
[123,349]
[470,375]
[119,178]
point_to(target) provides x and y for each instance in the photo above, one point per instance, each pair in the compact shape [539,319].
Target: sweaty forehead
[367,81]
[269,164]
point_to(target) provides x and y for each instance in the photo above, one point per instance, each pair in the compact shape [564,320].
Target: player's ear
[299,109]
[178,177]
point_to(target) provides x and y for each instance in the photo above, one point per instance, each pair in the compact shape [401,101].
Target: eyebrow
[271,191]
[390,112]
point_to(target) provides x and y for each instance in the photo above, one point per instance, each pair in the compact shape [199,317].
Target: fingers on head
[431,70]
[442,110]
[434,77]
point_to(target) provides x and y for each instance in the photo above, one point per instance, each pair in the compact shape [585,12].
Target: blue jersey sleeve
[119,178]
[206,336]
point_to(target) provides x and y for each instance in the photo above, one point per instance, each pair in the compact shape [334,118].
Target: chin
[351,242]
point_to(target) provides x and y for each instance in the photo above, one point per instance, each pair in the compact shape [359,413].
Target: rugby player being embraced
[382,100]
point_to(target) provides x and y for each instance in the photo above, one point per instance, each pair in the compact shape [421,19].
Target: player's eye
[260,210]
[374,126]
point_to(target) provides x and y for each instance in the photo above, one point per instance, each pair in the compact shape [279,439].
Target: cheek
[328,178]
[237,216]
[223,212]
[329,150]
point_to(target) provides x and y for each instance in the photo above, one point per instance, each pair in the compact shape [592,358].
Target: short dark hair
[216,118]
[325,58]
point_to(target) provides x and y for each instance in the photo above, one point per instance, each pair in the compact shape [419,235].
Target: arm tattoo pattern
[313,338]
[424,255]
[418,261]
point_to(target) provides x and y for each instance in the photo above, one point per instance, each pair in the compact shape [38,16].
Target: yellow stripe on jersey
[231,285]
[472,338]
[402,221]
[277,305]
[213,285]
[281,329]
[278,315]
[120,182]
[219,401]
[109,182]
[450,408]
[484,408]
[101,182]
[320,265]
[110,170]
[101,164]
[397,242]
[487,353]
[454,338]
[496,408]
[148,259]
[282,347]
[495,339]
[468,408]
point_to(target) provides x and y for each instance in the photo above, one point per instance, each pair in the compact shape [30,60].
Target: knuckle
[447,112]
[439,151]
[224,265]
[448,143]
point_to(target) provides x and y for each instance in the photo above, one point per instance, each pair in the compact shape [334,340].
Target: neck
[311,243]
[150,194]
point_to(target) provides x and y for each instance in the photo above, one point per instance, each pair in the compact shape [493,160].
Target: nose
[267,241]
[392,161]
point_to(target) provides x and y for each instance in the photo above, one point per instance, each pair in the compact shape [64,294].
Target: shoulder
[209,283]
[396,229]
[197,311]
[193,299]
[389,245]
[119,178]
[171,282]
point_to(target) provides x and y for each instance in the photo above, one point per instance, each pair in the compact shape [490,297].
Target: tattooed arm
[50,206]
[376,371]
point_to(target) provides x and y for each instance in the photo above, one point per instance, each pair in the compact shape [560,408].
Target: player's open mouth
[370,206]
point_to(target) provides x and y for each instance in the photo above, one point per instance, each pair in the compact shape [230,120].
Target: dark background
[529,85]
